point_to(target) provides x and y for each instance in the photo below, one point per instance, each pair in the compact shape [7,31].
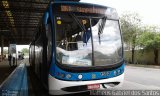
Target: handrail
[16,83]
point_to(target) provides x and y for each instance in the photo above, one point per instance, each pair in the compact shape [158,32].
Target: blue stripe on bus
[61,74]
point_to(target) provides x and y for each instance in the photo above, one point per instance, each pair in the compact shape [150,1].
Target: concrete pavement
[141,78]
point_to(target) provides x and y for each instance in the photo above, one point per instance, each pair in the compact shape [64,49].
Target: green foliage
[5,51]
[134,35]
[149,39]
[25,50]
[130,25]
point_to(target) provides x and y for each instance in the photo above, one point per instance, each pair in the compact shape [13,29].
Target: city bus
[78,47]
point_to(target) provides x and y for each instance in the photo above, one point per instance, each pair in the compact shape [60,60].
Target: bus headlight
[119,71]
[103,73]
[115,73]
[80,76]
[68,76]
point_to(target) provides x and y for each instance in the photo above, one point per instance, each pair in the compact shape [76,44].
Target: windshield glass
[107,42]
[71,46]
[84,41]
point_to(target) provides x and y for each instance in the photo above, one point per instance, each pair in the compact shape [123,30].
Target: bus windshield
[107,42]
[87,41]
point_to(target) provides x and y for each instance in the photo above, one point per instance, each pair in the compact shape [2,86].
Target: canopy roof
[19,19]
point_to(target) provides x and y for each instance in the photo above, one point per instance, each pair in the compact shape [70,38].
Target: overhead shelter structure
[19,20]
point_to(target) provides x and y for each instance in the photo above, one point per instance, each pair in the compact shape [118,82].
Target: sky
[147,9]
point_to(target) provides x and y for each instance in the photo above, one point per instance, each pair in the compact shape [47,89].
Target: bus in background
[78,47]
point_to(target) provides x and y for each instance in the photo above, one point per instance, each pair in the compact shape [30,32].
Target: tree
[25,50]
[150,39]
[5,51]
[131,28]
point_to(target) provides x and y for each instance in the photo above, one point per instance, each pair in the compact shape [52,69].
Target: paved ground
[141,78]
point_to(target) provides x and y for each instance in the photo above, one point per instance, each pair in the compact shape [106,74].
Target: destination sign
[92,10]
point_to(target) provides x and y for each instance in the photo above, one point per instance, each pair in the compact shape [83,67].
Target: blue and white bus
[78,47]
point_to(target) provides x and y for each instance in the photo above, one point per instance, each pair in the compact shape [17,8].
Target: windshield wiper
[78,22]
[101,28]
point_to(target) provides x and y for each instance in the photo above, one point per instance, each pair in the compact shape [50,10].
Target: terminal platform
[19,80]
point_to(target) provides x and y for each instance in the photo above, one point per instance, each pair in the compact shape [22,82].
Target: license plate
[93,86]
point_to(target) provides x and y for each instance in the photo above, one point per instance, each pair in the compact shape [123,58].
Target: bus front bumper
[59,87]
